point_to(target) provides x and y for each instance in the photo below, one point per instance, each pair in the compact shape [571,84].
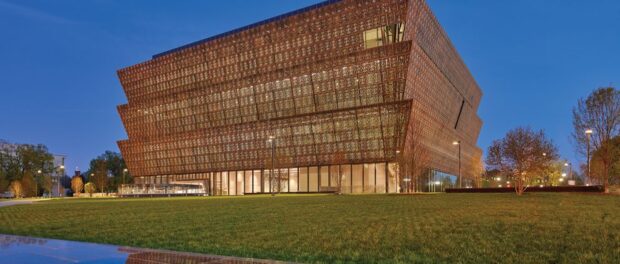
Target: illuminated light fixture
[588,131]
[455,143]
[62,167]
[563,175]
[39,171]
[437,182]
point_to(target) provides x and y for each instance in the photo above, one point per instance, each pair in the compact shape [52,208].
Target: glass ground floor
[382,177]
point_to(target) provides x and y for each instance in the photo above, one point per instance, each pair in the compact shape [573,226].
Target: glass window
[383,35]
[283,177]
[257,178]
[345,171]
[224,182]
[303,179]
[232,183]
[356,174]
[248,182]
[313,174]
[293,180]
[380,178]
[369,178]
[324,176]
[266,183]
[393,178]
[240,179]
[334,173]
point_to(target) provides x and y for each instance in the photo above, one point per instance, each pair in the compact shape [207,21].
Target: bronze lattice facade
[336,86]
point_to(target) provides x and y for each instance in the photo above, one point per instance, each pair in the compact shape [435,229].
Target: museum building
[332,97]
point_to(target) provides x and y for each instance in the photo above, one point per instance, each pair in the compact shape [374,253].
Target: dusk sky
[58,59]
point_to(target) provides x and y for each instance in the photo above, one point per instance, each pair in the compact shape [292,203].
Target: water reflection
[20,249]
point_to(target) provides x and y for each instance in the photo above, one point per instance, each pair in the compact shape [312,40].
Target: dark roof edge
[285,15]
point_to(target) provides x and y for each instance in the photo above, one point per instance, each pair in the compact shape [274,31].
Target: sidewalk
[20,201]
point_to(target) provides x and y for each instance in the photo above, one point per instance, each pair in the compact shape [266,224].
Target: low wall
[591,189]
[95,195]
[137,195]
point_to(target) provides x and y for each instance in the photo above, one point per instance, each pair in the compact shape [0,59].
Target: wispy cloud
[34,13]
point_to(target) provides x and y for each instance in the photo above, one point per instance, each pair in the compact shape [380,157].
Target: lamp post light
[124,174]
[570,171]
[458,143]
[62,173]
[588,134]
[36,183]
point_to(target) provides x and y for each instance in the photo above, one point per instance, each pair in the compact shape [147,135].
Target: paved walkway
[24,250]
[16,202]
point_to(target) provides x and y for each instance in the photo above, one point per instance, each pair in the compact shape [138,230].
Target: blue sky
[58,60]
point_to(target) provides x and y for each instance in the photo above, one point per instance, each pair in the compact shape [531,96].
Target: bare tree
[522,154]
[600,112]
[340,158]
[477,169]
[414,159]
[77,185]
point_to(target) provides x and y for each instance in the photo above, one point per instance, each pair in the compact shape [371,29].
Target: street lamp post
[36,184]
[570,170]
[588,133]
[458,142]
[62,173]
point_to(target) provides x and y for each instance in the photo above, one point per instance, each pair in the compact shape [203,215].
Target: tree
[600,112]
[4,182]
[90,188]
[414,159]
[29,185]
[77,185]
[99,173]
[597,160]
[115,167]
[16,188]
[46,184]
[340,157]
[522,154]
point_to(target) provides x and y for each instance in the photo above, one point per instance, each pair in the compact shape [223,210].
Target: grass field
[450,228]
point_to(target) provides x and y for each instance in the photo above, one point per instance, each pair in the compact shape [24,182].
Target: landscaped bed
[474,228]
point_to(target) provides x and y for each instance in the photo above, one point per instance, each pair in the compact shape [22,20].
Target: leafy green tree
[90,188]
[114,165]
[23,163]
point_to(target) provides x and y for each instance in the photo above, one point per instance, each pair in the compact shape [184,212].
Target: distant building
[335,87]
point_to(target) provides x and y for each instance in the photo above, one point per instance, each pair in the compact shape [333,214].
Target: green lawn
[471,228]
